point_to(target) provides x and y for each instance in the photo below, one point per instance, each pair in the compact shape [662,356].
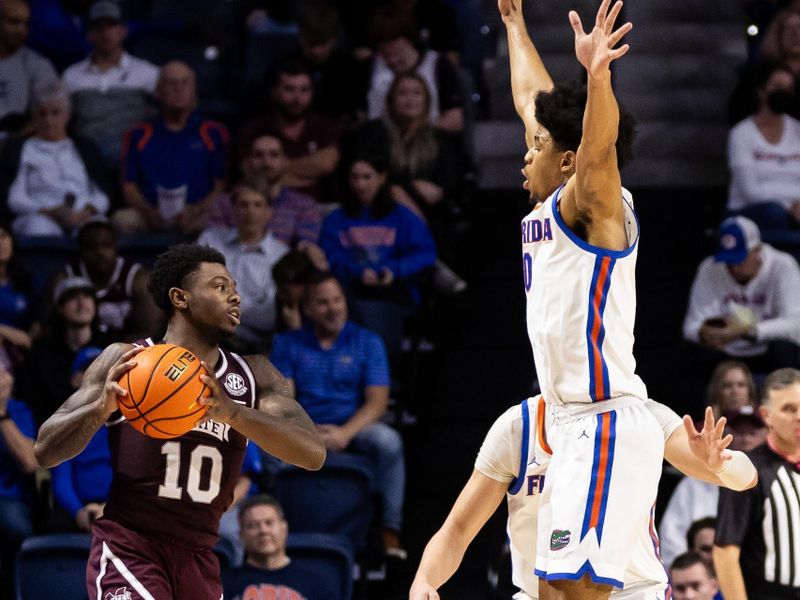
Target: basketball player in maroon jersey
[155,537]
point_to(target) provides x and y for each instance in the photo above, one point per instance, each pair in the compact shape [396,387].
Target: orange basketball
[163,390]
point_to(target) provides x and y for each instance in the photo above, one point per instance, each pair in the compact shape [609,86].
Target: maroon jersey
[114,302]
[179,488]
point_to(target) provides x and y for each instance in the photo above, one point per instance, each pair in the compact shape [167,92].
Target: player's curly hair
[173,267]
[560,111]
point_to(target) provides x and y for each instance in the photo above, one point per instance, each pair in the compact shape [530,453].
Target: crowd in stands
[322,148]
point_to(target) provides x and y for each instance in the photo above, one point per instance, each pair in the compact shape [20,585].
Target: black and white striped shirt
[765,523]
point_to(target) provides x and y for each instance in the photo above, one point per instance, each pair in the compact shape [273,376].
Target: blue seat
[335,500]
[53,566]
[326,557]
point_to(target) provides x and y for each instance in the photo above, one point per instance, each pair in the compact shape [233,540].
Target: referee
[757,543]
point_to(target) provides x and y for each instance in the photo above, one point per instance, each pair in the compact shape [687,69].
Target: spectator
[731,388]
[23,72]
[60,182]
[15,304]
[743,304]
[422,165]
[268,572]
[700,538]
[110,89]
[81,484]
[764,159]
[72,325]
[291,273]
[375,246]
[692,578]
[252,470]
[762,520]
[125,307]
[250,251]
[340,376]
[340,82]
[310,140]
[394,35]
[781,43]
[174,165]
[17,465]
[296,218]
[693,500]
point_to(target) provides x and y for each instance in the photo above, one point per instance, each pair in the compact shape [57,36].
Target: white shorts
[601,486]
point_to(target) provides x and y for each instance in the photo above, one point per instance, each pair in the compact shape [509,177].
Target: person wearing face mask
[764,159]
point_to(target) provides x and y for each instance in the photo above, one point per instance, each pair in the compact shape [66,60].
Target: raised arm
[477,502]
[70,428]
[279,426]
[597,187]
[528,73]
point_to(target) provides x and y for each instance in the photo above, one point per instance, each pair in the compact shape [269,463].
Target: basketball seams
[157,382]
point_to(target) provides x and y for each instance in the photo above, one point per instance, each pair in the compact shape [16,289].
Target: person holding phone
[743,304]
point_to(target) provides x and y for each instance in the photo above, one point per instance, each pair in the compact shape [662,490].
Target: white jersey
[581,307]
[516,452]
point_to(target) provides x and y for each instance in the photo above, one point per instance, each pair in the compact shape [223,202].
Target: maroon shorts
[125,565]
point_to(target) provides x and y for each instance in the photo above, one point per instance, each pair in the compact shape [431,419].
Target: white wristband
[738,472]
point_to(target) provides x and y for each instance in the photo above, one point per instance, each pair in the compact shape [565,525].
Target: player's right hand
[422,591]
[112,389]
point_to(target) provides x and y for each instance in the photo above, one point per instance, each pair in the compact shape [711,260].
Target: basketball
[163,391]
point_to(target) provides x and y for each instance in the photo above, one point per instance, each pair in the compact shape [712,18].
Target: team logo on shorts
[234,384]
[559,539]
[121,594]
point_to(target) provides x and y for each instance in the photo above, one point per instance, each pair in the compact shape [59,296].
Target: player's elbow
[315,456]
[44,455]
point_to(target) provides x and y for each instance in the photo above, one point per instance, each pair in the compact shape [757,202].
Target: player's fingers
[575,21]
[608,25]
[615,37]
[119,370]
[118,389]
[129,354]
[688,424]
[619,52]
[708,419]
[725,442]
[601,13]
[720,427]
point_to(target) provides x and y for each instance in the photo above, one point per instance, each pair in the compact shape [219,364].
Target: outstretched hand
[708,444]
[595,50]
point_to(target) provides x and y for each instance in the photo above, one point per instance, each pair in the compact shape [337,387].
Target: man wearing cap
[110,89]
[72,325]
[744,303]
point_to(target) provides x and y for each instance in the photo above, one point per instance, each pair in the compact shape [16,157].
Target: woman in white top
[53,192]
[764,159]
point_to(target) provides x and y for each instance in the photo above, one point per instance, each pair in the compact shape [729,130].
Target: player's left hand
[220,407]
[708,444]
[595,50]
[335,438]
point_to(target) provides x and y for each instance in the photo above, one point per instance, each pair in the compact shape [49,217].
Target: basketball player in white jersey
[579,256]
[513,461]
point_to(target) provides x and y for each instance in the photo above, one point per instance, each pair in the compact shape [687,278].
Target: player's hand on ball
[220,407]
[422,591]
[708,444]
[112,389]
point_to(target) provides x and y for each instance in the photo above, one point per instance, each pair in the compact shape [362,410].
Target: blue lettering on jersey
[535,484]
[535,230]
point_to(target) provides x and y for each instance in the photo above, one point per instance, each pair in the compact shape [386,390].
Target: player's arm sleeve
[498,457]
[734,512]
[701,304]
[786,323]
[667,418]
